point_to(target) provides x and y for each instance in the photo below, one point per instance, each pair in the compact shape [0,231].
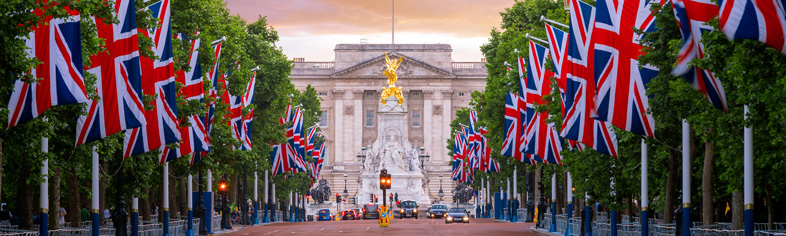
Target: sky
[311,28]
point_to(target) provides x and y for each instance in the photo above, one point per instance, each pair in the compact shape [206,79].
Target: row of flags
[120,85]
[471,152]
[600,79]
[301,142]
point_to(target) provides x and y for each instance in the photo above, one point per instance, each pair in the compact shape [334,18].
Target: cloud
[299,20]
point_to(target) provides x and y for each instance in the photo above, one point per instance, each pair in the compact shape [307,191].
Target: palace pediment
[411,67]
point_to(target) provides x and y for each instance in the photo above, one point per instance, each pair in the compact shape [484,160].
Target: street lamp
[361,157]
[423,157]
[441,193]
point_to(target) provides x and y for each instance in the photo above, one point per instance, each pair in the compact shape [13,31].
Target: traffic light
[396,197]
[384,179]
[338,198]
[222,186]
[540,186]
[376,198]
[391,197]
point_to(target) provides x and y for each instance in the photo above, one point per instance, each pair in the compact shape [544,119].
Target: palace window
[369,118]
[461,94]
[415,118]
[323,119]
[322,93]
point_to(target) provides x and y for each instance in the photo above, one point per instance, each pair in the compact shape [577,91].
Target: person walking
[85,214]
[5,216]
[61,217]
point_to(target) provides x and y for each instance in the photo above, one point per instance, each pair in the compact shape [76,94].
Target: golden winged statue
[390,72]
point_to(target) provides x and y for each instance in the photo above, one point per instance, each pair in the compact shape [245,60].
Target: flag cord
[177,177]
[664,144]
[118,169]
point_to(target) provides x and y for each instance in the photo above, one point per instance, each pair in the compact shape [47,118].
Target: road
[410,227]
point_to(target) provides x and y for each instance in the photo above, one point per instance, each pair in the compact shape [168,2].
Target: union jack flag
[57,44]
[493,166]
[522,108]
[458,156]
[762,20]
[510,144]
[311,138]
[542,138]
[692,16]
[213,76]
[192,129]
[119,83]
[620,82]
[558,47]
[162,124]
[578,124]
[248,99]
[319,153]
[278,159]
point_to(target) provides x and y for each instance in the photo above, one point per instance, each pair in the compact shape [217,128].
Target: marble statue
[414,164]
[391,155]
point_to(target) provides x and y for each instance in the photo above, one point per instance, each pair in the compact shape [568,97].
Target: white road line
[271,232]
[321,229]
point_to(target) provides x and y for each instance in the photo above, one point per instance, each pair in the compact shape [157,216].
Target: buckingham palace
[433,85]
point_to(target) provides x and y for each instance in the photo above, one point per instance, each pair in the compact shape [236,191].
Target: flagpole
[514,216]
[265,217]
[256,198]
[135,216]
[44,226]
[507,199]
[685,178]
[166,199]
[644,189]
[570,204]
[488,198]
[748,175]
[553,203]
[613,211]
[483,199]
[190,203]
[273,209]
[94,214]
[290,207]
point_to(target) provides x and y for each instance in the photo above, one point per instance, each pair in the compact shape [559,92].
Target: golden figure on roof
[390,72]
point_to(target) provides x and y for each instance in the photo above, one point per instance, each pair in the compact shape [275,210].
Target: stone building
[434,87]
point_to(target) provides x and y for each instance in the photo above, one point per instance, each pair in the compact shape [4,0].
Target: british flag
[311,138]
[693,17]
[458,156]
[278,159]
[522,107]
[558,48]
[56,43]
[248,99]
[192,129]
[762,20]
[162,124]
[510,143]
[621,82]
[119,83]
[542,139]
[212,92]
[578,124]
[319,153]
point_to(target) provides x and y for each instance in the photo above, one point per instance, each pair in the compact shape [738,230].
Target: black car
[437,211]
[409,208]
[371,211]
[349,215]
[456,214]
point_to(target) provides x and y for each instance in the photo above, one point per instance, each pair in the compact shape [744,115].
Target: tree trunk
[74,203]
[233,189]
[1,169]
[54,199]
[102,192]
[706,184]
[737,209]
[144,204]
[182,195]
[174,210]
[24,198]
[668,206]
[770,212]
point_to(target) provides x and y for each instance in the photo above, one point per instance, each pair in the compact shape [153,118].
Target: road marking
[321,229]
[271,232]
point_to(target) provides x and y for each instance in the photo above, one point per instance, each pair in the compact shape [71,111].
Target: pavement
[409,226]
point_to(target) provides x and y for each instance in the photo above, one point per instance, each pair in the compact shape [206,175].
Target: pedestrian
[61,217]
[5,216]
[85,214]
[107,215]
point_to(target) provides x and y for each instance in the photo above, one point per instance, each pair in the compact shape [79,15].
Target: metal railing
[216,222]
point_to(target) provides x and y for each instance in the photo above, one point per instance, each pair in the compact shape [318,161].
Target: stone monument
[392,150]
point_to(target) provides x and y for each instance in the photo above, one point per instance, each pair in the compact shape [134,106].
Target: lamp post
[440,194]
[423,157]
[345,194]
[361,157]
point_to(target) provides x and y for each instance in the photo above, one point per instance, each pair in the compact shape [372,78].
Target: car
[436,211]
[456,214]
[324,215]
[358,212]
[409,208]
[371,211]
[348,215]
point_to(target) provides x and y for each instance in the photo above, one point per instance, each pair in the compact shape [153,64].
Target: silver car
[456,214]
